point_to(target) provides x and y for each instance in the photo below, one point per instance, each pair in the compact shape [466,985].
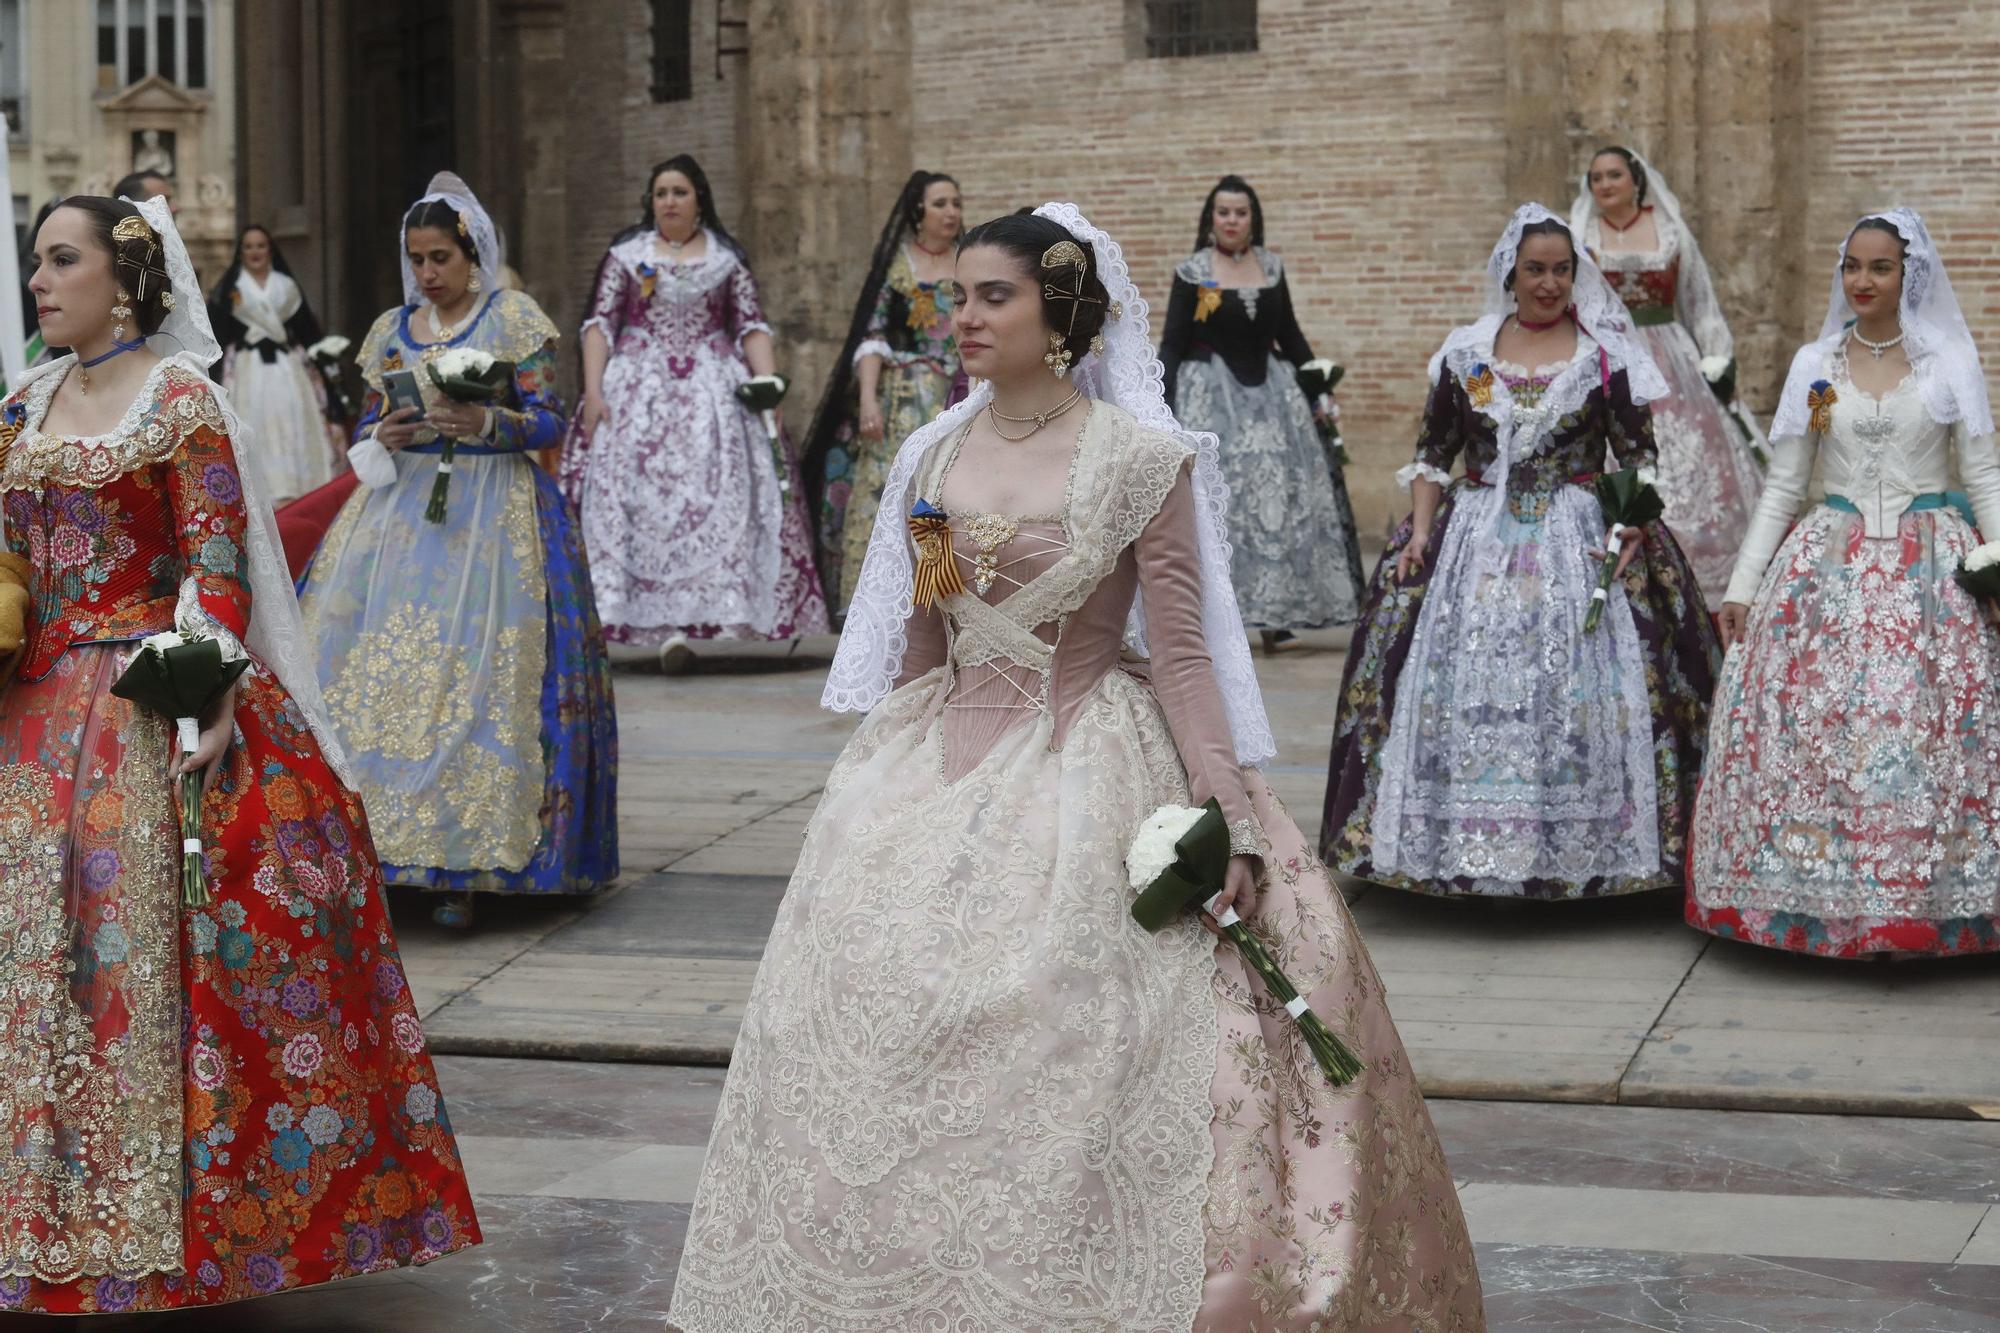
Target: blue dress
[463,661]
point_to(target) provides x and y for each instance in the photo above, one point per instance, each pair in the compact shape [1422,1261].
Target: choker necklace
[1040,419]
[1533,327]
[446,332]
[1875,347]
[119,349]
[1637,213]
[673,246]
[918,241]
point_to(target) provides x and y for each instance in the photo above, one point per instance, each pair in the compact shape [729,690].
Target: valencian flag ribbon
[937,575]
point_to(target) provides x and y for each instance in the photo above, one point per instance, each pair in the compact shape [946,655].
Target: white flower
[1983,557]
[1153,845]
[421,1103]
[330,348]
[775,381]
[462,363]
[322,1125]
[162,641]
[1648,477]
[1320,365]
[1714,368]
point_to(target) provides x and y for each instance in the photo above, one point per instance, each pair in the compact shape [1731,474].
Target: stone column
[1711,91]
[828,139]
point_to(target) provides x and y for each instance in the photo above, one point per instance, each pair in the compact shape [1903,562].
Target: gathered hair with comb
[138,259]
[1072,304]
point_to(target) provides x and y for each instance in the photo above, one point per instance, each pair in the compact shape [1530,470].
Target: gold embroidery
[989,532]
[148,433]
[90,1091]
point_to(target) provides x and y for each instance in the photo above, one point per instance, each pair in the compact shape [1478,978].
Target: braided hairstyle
[138,262]
[1075,308]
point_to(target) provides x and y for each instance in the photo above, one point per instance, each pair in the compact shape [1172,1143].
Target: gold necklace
[1040,419]
[443,331]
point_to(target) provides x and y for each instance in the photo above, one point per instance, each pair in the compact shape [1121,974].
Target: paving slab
[1592,1002]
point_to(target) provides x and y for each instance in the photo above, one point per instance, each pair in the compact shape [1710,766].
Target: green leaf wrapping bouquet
[1630,498]
[1178,861]
[181,676]
[762,394]
[464,375]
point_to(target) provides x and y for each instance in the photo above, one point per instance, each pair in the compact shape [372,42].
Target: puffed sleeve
[610,295]
[1177,332]
[205,490]
[1442,437]
[1183,673]
[1629,425]
[746,310]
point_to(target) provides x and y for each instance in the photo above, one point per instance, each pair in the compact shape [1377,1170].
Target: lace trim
[1407,474]
[173,402]
[1246,838]
[873,347]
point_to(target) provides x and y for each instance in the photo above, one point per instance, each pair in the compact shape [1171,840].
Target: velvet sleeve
[1629,425]
[927,643]
[1183,673]
[1442,437]
[534,419]
[1177,332]
[609,296]
[205,490]
[1291,339]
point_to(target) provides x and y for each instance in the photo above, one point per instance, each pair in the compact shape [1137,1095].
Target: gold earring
[1057,358]
[474,286]
[1097,343]
[119,314]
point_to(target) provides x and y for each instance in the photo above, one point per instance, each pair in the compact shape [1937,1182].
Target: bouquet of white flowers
[1179,859]
[1980,574]
[327,354]
[329,349]
[180,676]
[1317,379]
[464,375]
[1630,498]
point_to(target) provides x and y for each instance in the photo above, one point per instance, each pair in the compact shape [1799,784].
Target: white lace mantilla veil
[276,634]
[478,226]
[1942,354]
[1701,309]
[1128,375]
[1599,313]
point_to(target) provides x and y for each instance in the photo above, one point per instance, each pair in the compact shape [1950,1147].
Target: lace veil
[1599,313]
[277,634]
[477,223]
[1127,374]
[1700,308]
[1942,353]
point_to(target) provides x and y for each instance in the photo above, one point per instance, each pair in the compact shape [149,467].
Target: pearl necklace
[1040,419]
[1876,348]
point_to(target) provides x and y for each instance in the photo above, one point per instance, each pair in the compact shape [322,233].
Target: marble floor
[1587,1218]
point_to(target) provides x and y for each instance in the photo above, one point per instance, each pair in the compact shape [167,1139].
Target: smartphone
[399,388]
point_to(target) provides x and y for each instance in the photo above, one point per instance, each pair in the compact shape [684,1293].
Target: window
[1199,27]
[174,46]
[14,65]
[673,51]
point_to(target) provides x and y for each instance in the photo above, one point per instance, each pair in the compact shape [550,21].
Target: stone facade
[1388,139]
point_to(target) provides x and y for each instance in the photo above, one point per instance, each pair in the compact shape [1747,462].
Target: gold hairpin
[1065,254]
[461,226]
[136,228]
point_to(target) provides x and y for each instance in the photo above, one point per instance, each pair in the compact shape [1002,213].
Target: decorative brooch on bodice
[1207,301]
[12,418]
[1479,385]
[649,280]
[989,532]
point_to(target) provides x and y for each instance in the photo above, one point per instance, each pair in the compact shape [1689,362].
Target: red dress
[198,1105]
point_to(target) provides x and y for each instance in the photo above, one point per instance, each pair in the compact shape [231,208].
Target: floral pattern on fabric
[679,501]
[911,331]
[1537,729]
[463,661]
[257,1063]
[1852,803]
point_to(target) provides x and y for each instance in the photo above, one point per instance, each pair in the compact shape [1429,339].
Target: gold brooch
[1479,385]
[134,228]
[1206,302]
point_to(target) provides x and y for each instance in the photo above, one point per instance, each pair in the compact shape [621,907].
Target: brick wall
[1371,131]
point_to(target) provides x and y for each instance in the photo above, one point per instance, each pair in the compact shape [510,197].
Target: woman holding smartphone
[462,659]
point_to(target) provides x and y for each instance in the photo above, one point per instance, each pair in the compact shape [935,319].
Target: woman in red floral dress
[198,1104]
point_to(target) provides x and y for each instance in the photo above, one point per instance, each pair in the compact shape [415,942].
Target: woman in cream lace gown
[1852,801]
[969,1091]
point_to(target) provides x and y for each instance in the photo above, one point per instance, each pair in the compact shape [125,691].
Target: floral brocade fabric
[199,1105]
